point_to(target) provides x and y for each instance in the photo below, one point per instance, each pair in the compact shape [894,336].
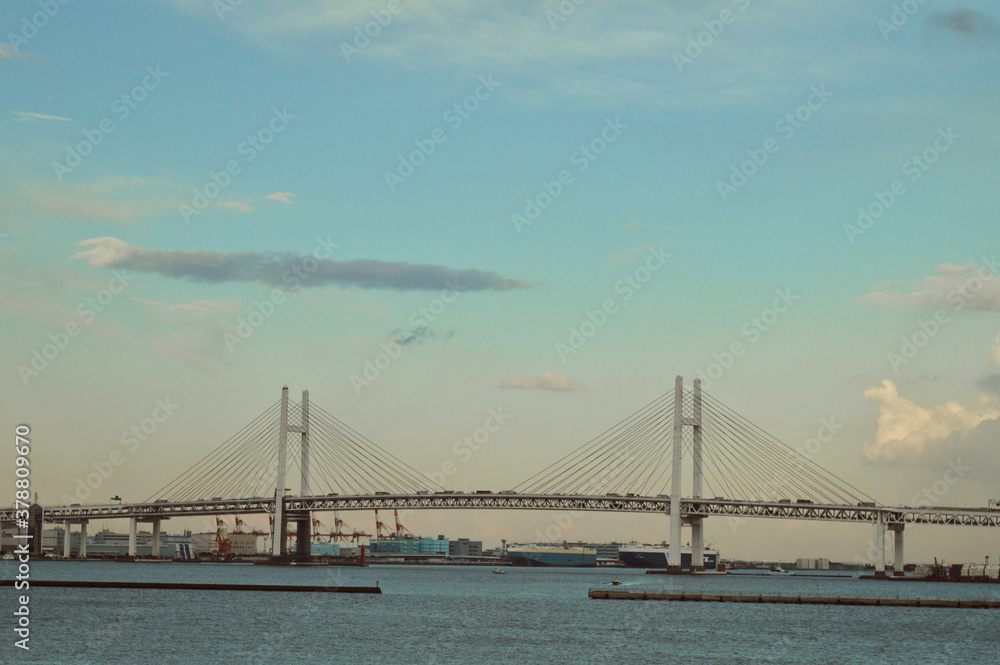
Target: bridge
[635,466]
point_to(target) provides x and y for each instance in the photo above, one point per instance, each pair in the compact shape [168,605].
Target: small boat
[779,569]
[499,571]
[616,582]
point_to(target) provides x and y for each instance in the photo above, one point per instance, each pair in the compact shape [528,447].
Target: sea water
[464,614]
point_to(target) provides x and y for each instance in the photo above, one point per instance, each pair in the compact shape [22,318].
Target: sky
[547,208]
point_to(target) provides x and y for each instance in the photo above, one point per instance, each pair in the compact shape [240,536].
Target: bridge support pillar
[897,551]
[83,540]
[304,448]
[697,544]
[674,562]
[697,524]
[879,547]
[278,544]
[133,533]
[156,539]
[303,535]
[67,540]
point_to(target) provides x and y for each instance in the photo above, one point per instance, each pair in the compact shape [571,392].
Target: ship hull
[566,559]
[658,558]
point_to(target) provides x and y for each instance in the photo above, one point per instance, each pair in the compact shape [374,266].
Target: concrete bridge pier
[133,535]
[697,545]
[879,547]
[156,539]
[68,539]
[303,521]
[303,534]
[674,564]
[697,523]
[897,551]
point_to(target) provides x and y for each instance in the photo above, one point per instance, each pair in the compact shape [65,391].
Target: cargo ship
[635,555]
[552,555]
[958,572]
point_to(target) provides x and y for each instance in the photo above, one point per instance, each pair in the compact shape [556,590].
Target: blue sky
[671,134]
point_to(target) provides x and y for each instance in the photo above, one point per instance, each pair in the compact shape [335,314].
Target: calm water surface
[469,615]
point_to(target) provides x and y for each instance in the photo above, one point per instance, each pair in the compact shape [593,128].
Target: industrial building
[397,545]
[323,549]
[464,547]
[103,543]
[812,564]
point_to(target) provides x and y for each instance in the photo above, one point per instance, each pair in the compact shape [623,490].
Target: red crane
[316,524]
[356,535]
[379,526]
[221,542]
[239,525]
[338,529]
[400,529]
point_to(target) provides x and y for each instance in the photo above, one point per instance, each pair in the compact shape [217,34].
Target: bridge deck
[508,501]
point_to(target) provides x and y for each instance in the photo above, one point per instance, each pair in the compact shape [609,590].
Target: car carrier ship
[571,556]
[636,555]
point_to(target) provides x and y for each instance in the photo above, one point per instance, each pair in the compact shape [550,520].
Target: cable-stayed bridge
[737,471]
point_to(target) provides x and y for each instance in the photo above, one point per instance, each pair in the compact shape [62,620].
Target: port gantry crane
[379,525]
[221,541]
[401,531]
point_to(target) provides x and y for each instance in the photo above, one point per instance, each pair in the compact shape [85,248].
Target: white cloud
[120,200]
[996,350]
[8,52]
[106,251]
[192,333]
[28,116]
[234,206]
[616,50]
[546,381]
[196,307]
[284,197]
[906,431]
[968,286]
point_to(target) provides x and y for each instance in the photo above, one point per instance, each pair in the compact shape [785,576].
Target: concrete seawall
[608,594]
[198,586]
